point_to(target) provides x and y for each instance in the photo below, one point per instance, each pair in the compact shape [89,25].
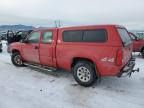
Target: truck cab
[39,47]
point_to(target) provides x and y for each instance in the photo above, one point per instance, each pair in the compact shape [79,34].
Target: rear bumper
[128,69]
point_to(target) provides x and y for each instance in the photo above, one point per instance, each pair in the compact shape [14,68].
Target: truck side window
[34,37]
[72,36]
[47,37]
[95,35]
[124,36]
[99,35]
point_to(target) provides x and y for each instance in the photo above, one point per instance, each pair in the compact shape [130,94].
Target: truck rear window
[85,36]
[124,36]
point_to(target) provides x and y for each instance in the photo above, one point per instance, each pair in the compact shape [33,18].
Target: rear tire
[84,73]
[17,60]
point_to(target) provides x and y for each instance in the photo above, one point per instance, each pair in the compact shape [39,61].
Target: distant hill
[15,27]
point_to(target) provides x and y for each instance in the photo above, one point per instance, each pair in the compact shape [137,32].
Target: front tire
[17,60]
[84,73]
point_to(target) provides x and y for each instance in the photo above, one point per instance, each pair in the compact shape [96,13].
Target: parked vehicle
[3,36]
[89,52]
[16,37]
[138,44]
[140,35]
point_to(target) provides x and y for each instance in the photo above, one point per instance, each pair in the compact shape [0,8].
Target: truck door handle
[36,47]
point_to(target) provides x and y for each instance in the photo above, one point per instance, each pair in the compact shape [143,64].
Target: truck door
[31,48]
[47,48]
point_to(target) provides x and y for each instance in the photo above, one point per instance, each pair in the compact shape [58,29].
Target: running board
[45,68]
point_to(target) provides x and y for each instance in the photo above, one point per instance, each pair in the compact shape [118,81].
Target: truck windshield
[124,36]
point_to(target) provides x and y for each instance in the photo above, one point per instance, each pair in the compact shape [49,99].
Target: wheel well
[77,59]
[14,51]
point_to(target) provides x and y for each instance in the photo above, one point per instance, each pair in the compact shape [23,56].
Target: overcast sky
[129,13]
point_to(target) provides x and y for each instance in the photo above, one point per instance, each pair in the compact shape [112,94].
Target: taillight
[119,58]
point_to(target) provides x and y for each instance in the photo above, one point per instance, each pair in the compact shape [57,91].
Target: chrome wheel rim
[83,74]
[18,60]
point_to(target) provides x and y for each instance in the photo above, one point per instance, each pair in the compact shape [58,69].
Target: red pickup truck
[138,44]
[89,52]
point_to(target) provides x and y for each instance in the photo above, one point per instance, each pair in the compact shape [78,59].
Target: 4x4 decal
[108,59]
